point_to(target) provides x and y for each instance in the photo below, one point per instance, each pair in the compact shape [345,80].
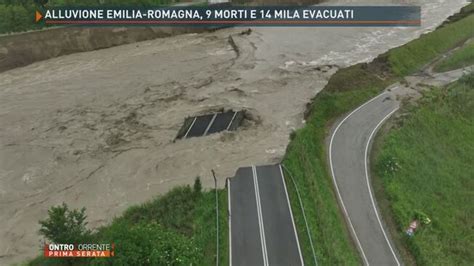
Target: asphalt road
[349,148]
[262,231]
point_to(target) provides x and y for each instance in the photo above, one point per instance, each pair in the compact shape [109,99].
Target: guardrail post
[217,217]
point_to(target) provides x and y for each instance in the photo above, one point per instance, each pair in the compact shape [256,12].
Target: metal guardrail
[304,215]
[217,217]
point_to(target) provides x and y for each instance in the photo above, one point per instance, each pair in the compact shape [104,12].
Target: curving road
[348,154]
[348,158]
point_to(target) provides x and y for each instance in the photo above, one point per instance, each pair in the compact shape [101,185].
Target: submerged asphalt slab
[221,122]
[200,125]
[262,228]
[212,123]
[349,147]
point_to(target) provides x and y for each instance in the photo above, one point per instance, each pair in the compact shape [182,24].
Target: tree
[197,186]
[21,19]
[41,2]
[64,226]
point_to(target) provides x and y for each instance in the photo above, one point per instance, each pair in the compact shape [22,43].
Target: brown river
[97,129]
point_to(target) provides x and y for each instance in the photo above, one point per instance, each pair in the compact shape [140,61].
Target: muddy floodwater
[97,129]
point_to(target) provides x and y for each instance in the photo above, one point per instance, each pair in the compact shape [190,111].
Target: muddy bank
[23,49]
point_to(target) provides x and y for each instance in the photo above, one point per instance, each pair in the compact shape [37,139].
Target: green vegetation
[147,244]
[188,217]
[462,57]
[306,156]
[306,160]
[414,55]
[178,228]
[16,16]
[64,225]
[425,166]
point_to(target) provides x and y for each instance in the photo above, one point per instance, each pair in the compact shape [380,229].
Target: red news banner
[79,250]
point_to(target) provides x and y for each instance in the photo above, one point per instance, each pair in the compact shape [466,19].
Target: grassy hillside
[306,156]
[306,161]
[426,166]
[179,226]
[462,57]
[414,55]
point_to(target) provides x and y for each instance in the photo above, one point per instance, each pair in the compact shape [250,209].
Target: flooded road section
[97,129]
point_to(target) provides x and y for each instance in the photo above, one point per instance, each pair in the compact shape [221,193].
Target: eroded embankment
[306,156]
[23,49]
[91,128]
[96,129]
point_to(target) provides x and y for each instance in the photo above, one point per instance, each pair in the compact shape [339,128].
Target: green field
[462,57]
[178,228]
[416,54]
[306,156]
[426,166]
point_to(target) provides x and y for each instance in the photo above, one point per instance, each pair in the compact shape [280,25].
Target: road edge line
[231,121]
[334,177]
[291,215]
[308,230]
[260,216]
[189,129]
[368,183]
[229,217]
[210,124]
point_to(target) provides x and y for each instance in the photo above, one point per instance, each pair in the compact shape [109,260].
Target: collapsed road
[97,129]
[261,226]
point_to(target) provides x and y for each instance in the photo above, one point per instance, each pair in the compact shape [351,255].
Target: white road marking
[210,124]
[230,222]
[334,177]
[260,217]
[291,214]
[368,184]
[232,120]
[189,129]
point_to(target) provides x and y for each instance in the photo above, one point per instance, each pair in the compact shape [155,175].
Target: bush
[64,226]
[14,18]
[175,211]
[177,228]
[147,244]
[197,186]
